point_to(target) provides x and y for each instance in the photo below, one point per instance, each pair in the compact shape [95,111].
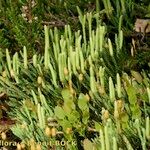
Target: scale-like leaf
[66,94]
[88,145]
[131,91]
[82,102]
[59,112]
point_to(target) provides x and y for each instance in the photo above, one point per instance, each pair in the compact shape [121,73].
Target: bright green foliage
[79,83]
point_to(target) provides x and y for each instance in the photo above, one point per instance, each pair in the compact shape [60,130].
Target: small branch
[54,23]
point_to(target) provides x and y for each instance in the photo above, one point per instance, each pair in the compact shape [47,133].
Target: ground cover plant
[87,89]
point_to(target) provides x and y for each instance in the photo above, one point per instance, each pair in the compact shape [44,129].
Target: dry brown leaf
[6,124]
[142,25]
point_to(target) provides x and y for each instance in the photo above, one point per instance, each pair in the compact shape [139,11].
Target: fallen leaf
[142,25]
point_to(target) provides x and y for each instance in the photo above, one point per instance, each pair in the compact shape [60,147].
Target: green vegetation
[86,87]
